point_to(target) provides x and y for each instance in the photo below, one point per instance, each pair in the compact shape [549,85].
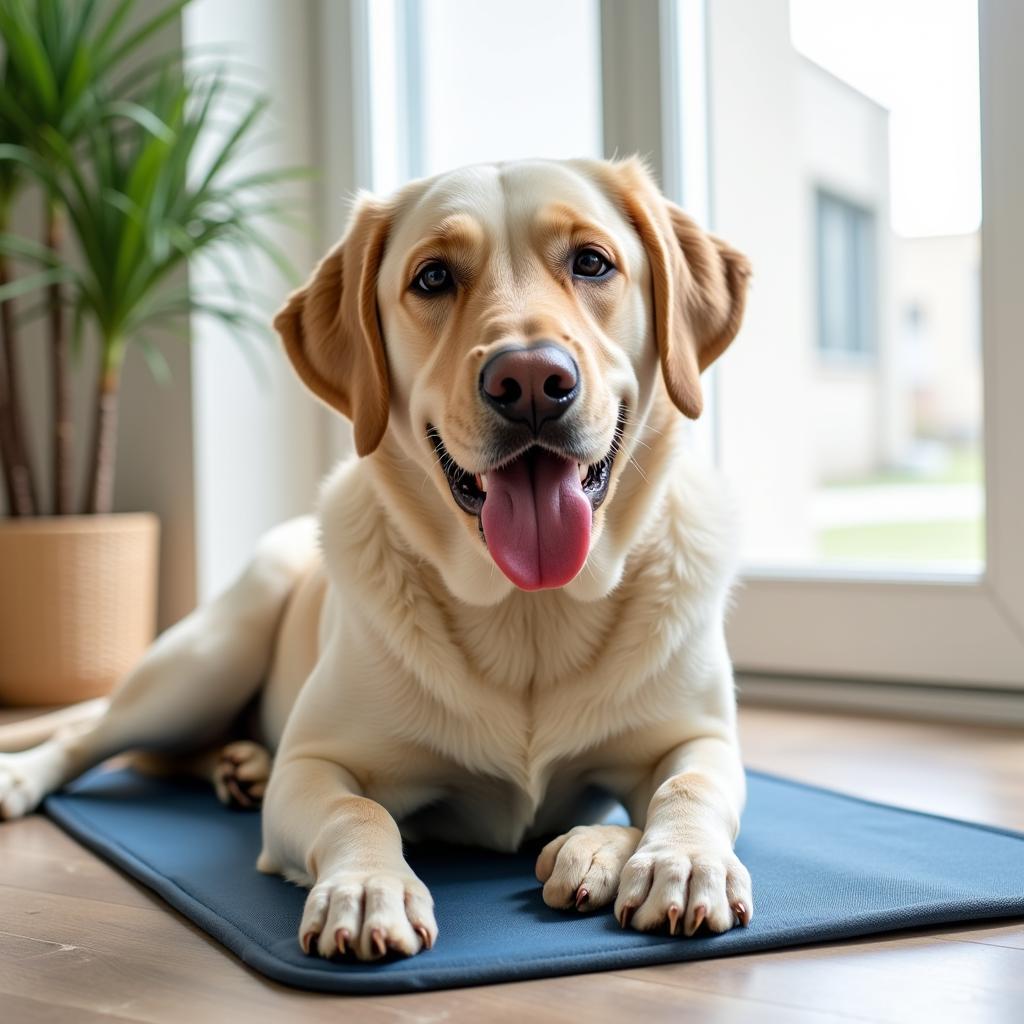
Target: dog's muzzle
[535,507]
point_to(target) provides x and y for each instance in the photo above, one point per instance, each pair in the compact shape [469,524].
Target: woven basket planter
[77,604]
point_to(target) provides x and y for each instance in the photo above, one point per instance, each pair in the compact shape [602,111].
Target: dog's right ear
[699,283]
[331,327]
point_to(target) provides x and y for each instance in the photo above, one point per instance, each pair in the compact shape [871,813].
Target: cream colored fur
[408,689]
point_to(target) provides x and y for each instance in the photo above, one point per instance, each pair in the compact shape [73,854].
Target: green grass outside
[942,541]
[964,467]
[953,541]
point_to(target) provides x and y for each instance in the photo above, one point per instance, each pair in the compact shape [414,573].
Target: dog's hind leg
[241,774]
[189,686]
[238,771]
[30,732]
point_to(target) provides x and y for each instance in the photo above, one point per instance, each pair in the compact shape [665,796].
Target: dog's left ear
[331,327]
[699,283]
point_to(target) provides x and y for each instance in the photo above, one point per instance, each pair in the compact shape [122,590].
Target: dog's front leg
[364,898]
[684,872]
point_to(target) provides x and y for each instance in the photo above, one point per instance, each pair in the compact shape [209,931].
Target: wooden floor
[80,942]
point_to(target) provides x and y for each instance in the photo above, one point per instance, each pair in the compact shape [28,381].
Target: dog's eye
[433,278]
[590,263]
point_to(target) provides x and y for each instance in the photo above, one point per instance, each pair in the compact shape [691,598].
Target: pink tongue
[536,520]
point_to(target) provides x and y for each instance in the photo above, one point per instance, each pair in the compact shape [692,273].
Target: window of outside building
[847,274]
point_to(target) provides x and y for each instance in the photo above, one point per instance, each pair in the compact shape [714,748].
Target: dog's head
[506,330]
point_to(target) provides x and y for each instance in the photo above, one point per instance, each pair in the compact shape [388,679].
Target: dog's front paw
[582,867]
[368,914]
[682,886]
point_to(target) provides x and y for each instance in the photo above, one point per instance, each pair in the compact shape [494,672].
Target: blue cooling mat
[825,866]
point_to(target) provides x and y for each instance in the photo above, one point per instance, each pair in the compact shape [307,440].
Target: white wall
[260,448]
[844,137]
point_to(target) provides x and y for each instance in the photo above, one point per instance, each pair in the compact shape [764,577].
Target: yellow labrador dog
[514,595]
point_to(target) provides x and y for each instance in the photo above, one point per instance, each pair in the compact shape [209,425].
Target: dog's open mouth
[535,509]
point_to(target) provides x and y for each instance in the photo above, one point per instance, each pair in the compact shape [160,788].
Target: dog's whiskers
[636,466]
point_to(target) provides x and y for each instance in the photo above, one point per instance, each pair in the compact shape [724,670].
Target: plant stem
[100,493]
[6,442]
[7,446]
[12,431]
[63,425]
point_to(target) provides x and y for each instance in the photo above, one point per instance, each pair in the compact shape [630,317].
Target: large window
[878,491]
[471,81]
[852,427]
[838,143]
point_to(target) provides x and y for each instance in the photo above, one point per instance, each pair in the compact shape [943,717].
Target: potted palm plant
[138,165]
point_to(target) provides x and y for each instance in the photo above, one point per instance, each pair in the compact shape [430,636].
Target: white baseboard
[903,700]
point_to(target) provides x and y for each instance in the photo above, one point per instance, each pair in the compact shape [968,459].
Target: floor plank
[39,1011]
[918,977]
[81,942]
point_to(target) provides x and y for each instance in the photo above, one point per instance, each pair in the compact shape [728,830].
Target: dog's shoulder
[355,537]
[689,551]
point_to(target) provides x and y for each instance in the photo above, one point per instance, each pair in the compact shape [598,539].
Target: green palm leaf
[25,285]
[151,164]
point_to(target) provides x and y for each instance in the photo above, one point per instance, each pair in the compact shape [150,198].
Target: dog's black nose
[530,384]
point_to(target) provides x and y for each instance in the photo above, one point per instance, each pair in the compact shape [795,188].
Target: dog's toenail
[582,895]
[307,941]
[424,935]
[379,945]
[673,919]
[627,915]
[341,937]
[741,912]
[699,913]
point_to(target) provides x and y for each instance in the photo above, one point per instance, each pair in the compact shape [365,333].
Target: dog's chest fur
[529,643]
[524,702]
